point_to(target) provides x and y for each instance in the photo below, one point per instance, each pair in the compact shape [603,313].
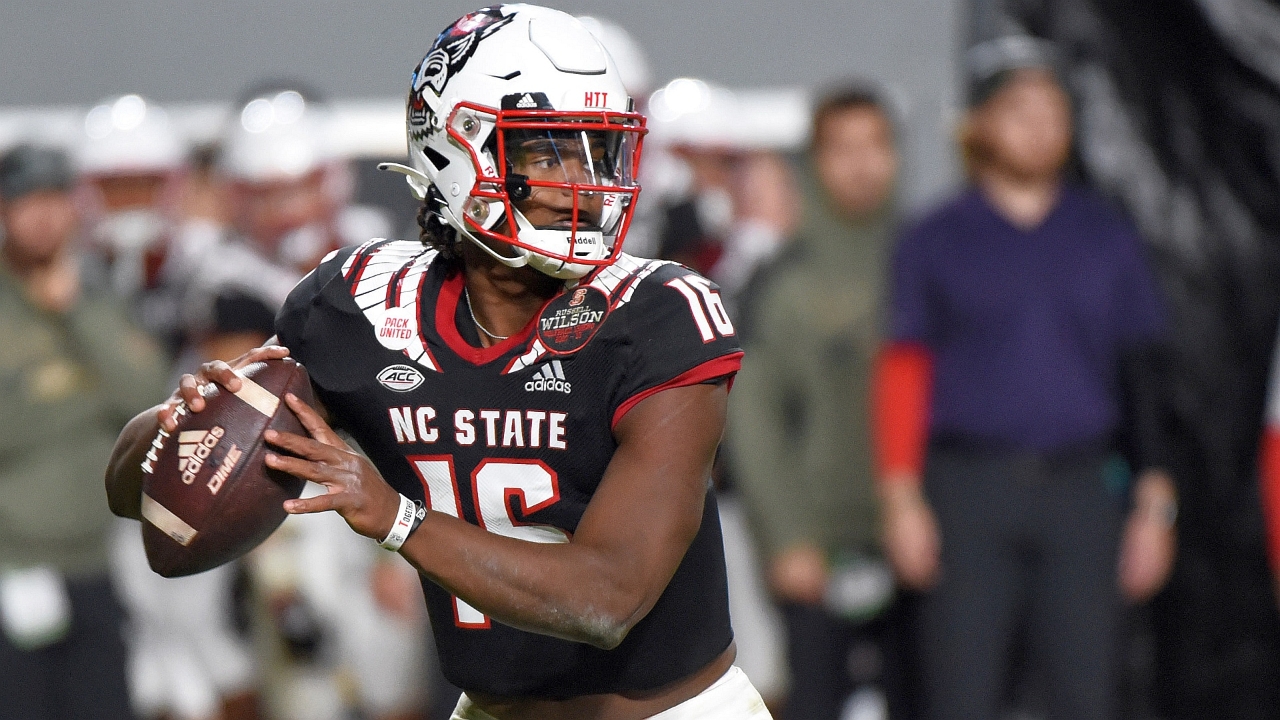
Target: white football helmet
[521,103]
[128,135]
[278,134]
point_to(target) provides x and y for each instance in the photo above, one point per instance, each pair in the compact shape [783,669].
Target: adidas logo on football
[549,377]
[526,102]
[194,447]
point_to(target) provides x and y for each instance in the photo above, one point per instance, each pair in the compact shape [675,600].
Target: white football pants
[732,697]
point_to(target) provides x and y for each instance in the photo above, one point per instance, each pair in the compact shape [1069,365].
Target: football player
[539,410]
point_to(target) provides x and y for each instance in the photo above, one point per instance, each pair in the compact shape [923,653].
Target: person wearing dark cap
[1025,335]
[72,371]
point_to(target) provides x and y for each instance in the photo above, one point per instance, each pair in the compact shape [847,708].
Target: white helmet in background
[130,159]
[129,136]
[277,134]
[508,75]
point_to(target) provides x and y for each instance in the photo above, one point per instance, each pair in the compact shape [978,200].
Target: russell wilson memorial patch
[569,321]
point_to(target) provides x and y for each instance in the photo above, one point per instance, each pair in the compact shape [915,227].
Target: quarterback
[538,411]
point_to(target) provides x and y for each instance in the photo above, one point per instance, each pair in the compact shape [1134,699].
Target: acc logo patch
[570,320]
[400,378]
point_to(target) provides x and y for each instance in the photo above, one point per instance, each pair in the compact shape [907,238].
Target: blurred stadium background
[1178,121]
[63,56]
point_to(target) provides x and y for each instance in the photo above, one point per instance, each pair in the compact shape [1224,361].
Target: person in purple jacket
[1026,327]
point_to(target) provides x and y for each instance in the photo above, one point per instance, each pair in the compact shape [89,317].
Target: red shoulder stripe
[725,365]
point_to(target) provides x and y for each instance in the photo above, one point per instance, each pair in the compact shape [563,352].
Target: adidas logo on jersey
[526,102]
[194,447]
[549,377]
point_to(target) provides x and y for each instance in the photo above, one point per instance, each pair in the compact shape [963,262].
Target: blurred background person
[285,192]
[1023,315]
[72,369]
[336,618]
[1178,106]
[798,428]
[187,661]
[131,163]
[737,207]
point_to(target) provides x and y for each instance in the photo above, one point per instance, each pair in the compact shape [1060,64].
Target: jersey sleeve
[679,334]
[291,321]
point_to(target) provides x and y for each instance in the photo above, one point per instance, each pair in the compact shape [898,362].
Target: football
[207,496]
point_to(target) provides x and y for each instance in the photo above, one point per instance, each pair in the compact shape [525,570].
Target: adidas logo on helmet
[550,377]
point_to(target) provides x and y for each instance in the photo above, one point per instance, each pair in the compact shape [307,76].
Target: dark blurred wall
[1179,120]
[78,51]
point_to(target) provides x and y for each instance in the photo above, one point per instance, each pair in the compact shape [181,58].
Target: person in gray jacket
[72,371]
[798,423]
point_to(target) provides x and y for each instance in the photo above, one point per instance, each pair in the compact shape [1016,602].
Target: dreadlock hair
[434,232]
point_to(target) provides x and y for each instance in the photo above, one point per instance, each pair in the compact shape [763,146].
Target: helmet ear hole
[439,161]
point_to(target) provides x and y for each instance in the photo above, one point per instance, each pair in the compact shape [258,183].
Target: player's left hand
[354,487]
[1149,543]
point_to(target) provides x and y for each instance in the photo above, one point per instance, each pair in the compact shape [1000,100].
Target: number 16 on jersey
[697,291]
[493,483]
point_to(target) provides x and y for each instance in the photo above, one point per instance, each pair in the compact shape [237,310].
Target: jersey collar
[446,313]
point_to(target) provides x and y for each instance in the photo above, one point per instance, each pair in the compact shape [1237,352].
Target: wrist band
[408,518]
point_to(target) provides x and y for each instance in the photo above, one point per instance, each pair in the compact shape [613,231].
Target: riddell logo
[400,378]
[550,377]
[194,447]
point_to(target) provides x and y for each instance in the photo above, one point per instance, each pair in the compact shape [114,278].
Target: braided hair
[434,232]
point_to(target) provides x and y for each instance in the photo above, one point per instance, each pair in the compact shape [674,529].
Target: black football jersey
[516,437]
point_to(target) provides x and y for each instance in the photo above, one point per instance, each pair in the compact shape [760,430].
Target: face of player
[566,157]
[1025,128]
[267,212]
[856,160]
[38,225]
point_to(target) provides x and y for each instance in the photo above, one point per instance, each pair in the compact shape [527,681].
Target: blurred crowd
[946,488]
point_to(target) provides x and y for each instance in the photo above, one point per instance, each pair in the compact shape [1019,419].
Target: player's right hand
[216,371]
